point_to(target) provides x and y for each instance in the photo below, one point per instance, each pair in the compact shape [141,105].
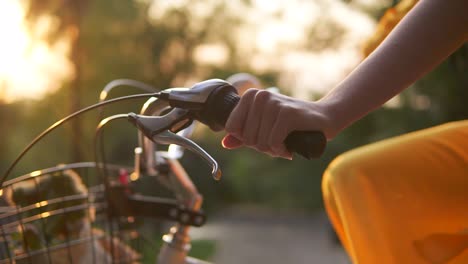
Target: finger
[237,118]
[254,118]
[279,133]
[231,142]
[270,114]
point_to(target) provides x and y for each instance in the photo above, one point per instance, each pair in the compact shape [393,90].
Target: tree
[69,14]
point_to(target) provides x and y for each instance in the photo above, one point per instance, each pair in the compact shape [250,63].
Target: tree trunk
[78,9]
[75,102]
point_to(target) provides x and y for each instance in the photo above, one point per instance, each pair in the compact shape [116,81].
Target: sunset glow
[29,66]
[274,37]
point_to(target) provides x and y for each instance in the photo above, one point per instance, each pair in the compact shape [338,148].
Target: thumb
[231,142]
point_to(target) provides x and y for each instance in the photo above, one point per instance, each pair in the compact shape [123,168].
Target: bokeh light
[29,66]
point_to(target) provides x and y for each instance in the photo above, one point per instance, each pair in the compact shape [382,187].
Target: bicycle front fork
[176,247]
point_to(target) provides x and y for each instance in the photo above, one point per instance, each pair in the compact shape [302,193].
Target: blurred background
[57,55]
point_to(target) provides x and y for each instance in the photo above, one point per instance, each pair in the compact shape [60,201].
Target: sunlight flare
[29,66]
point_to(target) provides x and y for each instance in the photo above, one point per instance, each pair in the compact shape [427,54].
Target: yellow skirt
[403,200]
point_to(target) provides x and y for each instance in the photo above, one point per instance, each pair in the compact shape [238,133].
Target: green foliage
[203,249]
[119,41]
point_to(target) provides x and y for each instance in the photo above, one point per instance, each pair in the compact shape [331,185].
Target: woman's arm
[425,37]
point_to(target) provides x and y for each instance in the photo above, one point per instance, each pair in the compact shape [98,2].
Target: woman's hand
[262,120]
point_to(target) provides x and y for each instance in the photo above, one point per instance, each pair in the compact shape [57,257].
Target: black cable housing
[64,120]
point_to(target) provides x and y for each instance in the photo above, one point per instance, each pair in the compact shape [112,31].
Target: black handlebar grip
[218,107]
[309,144]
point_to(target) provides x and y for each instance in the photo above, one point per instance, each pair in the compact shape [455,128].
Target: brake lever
[175,120]
[175,151]
[158,129]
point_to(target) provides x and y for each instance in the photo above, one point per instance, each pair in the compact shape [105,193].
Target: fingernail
[287,155]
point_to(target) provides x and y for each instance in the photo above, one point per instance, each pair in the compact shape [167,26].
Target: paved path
[258,236]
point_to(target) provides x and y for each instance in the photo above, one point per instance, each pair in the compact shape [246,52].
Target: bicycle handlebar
[309,144]
[221,98]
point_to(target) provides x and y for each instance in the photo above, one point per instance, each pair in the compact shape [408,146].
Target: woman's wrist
[334,121]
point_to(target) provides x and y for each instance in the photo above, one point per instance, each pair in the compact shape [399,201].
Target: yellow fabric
[403,200]
[386,24]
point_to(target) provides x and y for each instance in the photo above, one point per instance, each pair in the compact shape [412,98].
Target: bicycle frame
[109,200]
[177,242]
